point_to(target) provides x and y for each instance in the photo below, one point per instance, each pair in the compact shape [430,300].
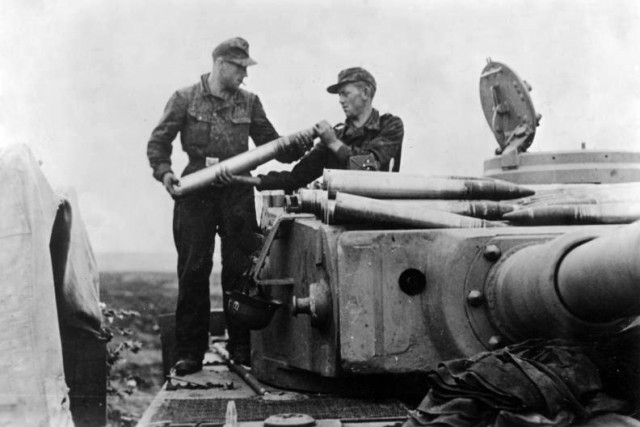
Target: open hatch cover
[507,107]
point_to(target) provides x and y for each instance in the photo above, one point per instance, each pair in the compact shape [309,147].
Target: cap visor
[335,88]
[246,62]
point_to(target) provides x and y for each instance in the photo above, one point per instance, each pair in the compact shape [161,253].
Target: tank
[381,276]
[394,273]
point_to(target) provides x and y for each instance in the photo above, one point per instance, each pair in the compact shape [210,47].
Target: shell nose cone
[497,190]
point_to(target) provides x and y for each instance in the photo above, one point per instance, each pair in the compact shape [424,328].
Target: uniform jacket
[209,126]
[381,136]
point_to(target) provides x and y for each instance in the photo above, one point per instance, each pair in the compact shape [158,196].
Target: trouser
[230,212]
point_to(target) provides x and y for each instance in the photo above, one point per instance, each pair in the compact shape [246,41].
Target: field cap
[235,50]
[352,75]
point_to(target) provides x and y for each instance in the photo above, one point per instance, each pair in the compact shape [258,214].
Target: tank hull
[399,300]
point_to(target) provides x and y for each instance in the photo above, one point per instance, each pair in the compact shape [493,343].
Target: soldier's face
[232,75]
[353,100]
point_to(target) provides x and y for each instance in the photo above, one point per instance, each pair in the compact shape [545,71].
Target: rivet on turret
[496,341]
[475,298]
[492,253]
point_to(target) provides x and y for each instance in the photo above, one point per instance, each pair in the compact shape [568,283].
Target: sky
[83,83]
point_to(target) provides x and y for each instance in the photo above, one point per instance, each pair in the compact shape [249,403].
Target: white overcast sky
[84,82]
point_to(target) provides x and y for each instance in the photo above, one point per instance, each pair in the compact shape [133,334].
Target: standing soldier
[215,118]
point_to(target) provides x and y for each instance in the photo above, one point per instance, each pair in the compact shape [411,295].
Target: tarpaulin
[534,383]
[32,386]
[78,294]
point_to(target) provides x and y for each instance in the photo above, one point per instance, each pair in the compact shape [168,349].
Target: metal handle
[257,267]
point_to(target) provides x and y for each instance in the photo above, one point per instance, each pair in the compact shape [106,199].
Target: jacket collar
[372,123]
[204,85]
[206,90]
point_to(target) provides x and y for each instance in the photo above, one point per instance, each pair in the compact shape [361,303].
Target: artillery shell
[388,185]
[243,162]
[605,213]
[351,208]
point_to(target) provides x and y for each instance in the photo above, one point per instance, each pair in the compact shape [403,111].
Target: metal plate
[506,103]
[289,420]
[213,410]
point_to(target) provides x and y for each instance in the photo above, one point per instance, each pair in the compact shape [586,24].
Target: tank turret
[510,113]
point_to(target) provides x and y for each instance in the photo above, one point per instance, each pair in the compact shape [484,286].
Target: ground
[137,377]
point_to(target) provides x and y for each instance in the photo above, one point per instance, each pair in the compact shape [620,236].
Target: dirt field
[137,377]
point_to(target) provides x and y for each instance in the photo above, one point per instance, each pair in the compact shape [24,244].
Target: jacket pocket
[199,116]
[240,115]
[196,133]
[241,120]
[240,124]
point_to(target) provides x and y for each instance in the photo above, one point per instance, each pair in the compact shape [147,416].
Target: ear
[366,90]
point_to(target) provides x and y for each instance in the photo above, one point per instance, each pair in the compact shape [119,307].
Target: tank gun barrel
[600,280]
[578,285]
[241,163]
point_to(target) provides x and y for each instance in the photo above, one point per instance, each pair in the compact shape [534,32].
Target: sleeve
[261,130]
[384,146]
[309,168]
[159,147]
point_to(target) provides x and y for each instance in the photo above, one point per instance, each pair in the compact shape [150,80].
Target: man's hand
[297,147]
[327,135]
[225,178]
[300,144]
[169,180]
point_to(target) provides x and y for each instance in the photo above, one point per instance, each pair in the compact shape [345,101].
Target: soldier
[215,118]
[367,139]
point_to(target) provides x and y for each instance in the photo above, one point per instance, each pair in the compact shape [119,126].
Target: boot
[187,365]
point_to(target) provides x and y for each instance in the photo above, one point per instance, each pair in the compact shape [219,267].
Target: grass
[138,376]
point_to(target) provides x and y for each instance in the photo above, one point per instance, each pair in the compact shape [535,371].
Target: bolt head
[495,342]
[492,252]
[475,298]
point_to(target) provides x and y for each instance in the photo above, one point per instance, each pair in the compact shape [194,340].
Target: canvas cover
[32,386]
[78,296]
